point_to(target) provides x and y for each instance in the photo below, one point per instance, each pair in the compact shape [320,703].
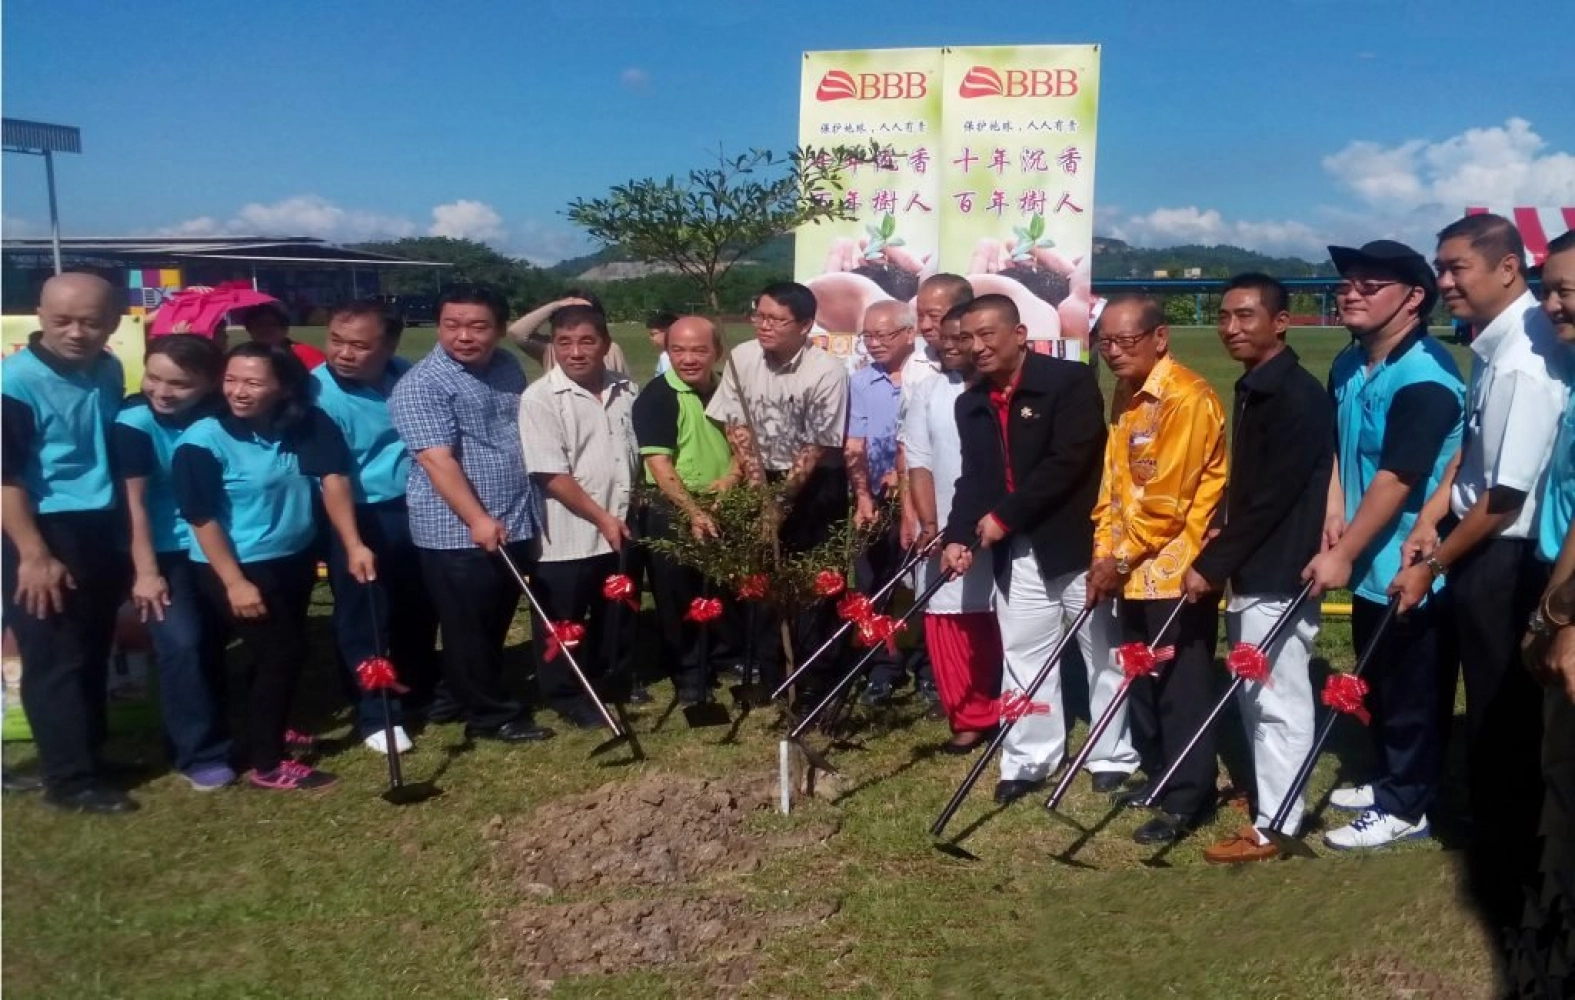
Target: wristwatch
[1435,567]
[1123,567]
[1539,624]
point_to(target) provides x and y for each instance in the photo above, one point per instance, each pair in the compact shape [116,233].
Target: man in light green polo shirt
[685,454]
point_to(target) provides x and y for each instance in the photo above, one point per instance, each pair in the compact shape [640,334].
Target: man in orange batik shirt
[1164,478]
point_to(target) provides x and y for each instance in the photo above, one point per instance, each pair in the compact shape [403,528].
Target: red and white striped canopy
[1537,226]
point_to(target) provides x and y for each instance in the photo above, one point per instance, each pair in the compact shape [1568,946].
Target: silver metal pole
[54,209]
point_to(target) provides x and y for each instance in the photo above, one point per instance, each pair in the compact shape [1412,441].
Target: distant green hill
[1112,259]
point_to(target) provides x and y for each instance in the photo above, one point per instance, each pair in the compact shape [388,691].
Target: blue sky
[1279,124]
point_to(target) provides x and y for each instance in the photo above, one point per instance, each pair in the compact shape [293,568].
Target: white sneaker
[378,741]
[1374,828]
[1354,798]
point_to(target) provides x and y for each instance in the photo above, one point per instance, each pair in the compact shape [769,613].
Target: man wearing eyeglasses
[875,398]
[1398,400]
[784,404]
[1032,432]
[1164,477]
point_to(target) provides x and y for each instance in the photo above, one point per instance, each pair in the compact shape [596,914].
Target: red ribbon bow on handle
[829,583]
[704,609]
[876,628]
[1015,705]
[562,635]
[854,607]
[753,587]
[620,587]
[1345,693]
[1248,663]
[376,673]
[1137,660]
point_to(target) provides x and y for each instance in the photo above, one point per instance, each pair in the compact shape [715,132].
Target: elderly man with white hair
[876,394]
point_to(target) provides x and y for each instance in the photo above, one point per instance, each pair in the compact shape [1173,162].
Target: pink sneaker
[291,776]
[299,742]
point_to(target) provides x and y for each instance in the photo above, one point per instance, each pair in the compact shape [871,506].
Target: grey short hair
[902,313]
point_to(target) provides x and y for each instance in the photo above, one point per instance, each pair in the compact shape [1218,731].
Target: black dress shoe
[517,731]
[1108,782]
[581,717]
[1134,796]
[1007,792]
[1164,828]
[638,695]
[442,713]
[12,782]
[98,799]
[878,694]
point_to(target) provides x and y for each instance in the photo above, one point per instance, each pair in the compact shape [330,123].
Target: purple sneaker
[209,777]
[291,776]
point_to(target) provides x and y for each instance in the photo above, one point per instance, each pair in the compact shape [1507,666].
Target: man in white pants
[1269,525]
[1032,431]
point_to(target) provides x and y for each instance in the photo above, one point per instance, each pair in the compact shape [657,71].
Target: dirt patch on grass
[1391,976]
[661,832]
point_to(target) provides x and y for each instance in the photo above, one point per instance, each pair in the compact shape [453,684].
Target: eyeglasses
[1108,344]
[770,322]
[1365,287]
[876,337]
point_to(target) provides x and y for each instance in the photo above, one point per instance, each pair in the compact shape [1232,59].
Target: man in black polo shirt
[1269,526]
[685,456]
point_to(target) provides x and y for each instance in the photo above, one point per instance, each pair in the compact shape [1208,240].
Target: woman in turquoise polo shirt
[245,482]
[180,383]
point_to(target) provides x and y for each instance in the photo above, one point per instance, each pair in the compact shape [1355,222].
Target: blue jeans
[189,646]
[390,616]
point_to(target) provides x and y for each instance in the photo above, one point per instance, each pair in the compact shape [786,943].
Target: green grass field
[246,894]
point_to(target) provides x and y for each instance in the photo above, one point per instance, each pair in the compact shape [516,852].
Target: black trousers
[690,652]
[874,566]
[476,597]
[65,657]
[1166,710]
[1490,595]
[819,511]
[390,616]
[1403,700]
[277,645]
[571,590]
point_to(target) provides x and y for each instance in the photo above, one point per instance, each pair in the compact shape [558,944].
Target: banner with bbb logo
[1005,195]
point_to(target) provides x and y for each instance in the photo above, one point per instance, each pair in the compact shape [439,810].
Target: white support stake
[785,776]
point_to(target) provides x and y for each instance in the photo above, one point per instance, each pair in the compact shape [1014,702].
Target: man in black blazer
[1033,436]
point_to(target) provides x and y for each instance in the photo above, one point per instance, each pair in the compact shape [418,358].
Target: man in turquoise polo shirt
[65,567]
[1398,404]
[392,615]
[685,455]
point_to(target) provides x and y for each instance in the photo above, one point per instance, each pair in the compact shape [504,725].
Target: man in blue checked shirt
[469,497]
[391,615]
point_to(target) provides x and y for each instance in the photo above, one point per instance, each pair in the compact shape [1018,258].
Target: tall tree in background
[702,226]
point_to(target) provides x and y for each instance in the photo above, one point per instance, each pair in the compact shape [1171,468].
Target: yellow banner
[127,343]
[991,176]
[890,97]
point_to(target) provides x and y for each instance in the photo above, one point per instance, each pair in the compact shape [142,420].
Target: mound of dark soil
[1052,286]
[893,280]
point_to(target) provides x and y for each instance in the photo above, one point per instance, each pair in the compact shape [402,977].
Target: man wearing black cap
[1488,513]
[1398,401]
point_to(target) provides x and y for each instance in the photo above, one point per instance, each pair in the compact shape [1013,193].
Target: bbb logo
[840,85]
[982,81]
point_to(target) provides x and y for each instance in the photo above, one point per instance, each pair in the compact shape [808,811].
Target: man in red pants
[959,621]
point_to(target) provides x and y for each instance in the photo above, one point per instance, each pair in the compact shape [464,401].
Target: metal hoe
[977,771]
[1105,719]
[399,792]
[619,734]
[1281,623]
[1288,843]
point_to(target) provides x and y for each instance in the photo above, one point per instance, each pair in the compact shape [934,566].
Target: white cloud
[301,215]
[467,220]
[1207,227]
[544,244]
[634,78]
[1406,190]
[17,228]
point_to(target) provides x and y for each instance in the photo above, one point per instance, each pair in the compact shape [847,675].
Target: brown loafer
[1240,848]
